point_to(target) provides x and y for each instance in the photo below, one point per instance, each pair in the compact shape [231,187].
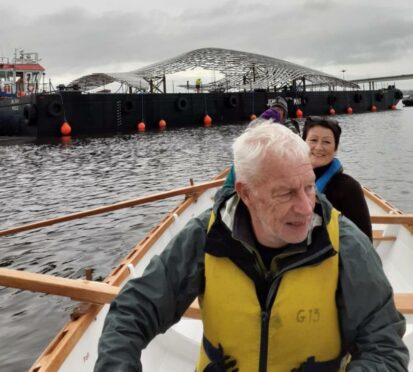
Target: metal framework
[240,70]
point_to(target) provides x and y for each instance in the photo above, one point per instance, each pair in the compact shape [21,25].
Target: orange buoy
[65,129]
[141,126]
[392,107]
[253,117]
[331,112]
[298,114]
[207,121]
[373,108]
[349,110]
[162,124]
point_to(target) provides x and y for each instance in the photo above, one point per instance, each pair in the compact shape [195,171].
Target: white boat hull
[396,255]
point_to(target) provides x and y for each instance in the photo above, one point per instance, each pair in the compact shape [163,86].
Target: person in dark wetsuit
[342,190]
[280,105]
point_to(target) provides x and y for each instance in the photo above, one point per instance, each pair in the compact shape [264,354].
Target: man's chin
[297,235]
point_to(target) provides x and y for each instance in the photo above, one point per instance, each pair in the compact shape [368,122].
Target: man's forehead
[304,171]
[288,166]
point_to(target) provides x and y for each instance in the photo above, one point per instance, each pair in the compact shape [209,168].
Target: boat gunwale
[386,206]
[64,342]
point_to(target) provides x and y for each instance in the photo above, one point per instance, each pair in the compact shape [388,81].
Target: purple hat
[272,114]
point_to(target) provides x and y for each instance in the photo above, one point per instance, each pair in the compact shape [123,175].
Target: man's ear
[243,192]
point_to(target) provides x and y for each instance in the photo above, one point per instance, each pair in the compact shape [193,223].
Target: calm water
[43,180]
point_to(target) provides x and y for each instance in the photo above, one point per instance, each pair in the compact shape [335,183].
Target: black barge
[246,85]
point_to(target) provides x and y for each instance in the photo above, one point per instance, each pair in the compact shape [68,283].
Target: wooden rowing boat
[75,346]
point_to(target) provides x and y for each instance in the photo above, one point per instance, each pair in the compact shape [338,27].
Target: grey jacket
[371,327]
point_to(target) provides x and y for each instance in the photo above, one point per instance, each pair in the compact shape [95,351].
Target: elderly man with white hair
[285,283]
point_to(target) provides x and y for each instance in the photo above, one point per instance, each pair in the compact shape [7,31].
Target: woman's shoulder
[341,188]
[345,180]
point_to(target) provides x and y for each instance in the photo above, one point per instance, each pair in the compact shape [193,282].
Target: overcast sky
[366,38]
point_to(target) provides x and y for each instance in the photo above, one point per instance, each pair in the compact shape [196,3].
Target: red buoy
[298,114]
[207,121]
[141,126]
[253,117]
[65,129]
[373,108]
[331,112]
[349,110]
[162,124]
[392,107]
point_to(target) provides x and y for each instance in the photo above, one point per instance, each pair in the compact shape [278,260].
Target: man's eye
[310,188]
[285,196]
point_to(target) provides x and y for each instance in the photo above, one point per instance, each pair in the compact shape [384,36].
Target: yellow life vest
[303,322]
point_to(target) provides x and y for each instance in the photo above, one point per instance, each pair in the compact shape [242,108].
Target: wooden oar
[109,208]
[102,293]
[77,289]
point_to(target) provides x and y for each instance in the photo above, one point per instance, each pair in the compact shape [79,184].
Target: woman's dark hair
[320,121]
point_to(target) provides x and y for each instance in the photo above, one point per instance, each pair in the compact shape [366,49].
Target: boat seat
[379,235]
[404,302]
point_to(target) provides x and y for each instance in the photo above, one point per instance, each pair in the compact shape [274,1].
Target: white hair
[260,139]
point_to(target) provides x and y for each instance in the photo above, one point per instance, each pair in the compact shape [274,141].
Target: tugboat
[21,78]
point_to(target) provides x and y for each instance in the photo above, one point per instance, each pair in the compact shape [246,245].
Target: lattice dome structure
[240,70]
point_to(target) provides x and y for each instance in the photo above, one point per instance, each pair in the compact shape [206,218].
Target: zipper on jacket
[264,341]
[266,312]
[265,322]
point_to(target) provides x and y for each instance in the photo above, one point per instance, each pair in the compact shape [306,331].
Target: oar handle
[88,291]
[77,289]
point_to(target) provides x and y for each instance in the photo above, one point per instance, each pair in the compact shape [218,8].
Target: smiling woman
[343,191]
[322,145]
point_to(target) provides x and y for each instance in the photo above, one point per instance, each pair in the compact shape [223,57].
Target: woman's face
[322,145]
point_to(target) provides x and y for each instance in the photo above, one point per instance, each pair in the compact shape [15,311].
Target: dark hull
[42,115]
[12,118]
[408,102]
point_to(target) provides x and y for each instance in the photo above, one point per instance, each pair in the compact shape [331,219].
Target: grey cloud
[320,33]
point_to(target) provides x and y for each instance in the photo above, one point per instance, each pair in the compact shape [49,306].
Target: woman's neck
[320,170]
